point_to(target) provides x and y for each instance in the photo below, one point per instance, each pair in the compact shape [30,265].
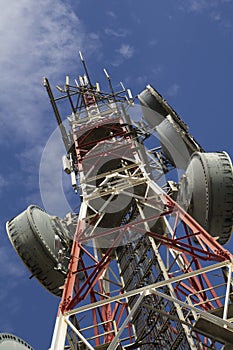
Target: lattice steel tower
[139,270]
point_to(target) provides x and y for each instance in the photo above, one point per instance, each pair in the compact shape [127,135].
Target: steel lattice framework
[154,278]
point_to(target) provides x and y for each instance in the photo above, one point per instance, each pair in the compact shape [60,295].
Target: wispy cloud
[142,79]
[111,14]
[173,90]
[29,50]
[200,5]
[12,274]
[217,10]
[195,5]
[29,157]
[37,39]
[52,186]
[13,269]
[119,33]
[126,51]
[153,42]
[154,74]
[39,42]
[3,183]
[215,16]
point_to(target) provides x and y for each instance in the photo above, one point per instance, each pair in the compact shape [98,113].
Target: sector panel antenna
[41,240]
[208,181]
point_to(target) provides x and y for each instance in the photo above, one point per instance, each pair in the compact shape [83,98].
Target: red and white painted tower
[143,273]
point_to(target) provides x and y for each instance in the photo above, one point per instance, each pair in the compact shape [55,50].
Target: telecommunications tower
[141,265]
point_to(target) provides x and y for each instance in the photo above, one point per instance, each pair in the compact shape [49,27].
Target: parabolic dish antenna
[209,182]
[42,242]
[11,342]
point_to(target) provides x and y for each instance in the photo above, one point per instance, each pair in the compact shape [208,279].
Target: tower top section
[87,100]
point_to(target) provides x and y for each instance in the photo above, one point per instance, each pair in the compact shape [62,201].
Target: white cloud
[126,51]
[157,70]
[219,11]
[93,36]
[145,79]
[12,276]
[199,6]
[111,14]
[12,267]
[173,90]
[142,79]
[193,5]
[152,73]
[120,33]
[216,16]
[3,183]
[153,42]
[37,39]
[51,182]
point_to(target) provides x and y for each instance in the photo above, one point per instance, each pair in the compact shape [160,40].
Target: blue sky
[184,48]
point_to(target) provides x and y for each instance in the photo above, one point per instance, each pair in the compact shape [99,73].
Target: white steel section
[173,296]
[212,318]
[133,292]
[169,285]
[154,289]
[127,299]
[59,334]
[116,339]
[74,329]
